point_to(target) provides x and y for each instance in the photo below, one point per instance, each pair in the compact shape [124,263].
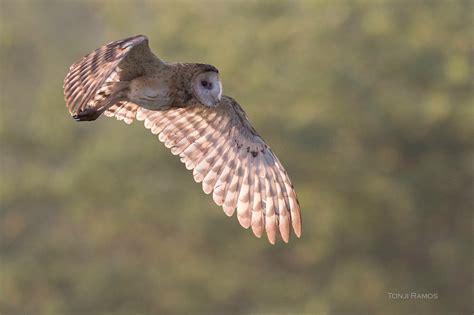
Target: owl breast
[151,93]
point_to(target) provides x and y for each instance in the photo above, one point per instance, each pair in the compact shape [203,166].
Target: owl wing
[230,159]
[90,79]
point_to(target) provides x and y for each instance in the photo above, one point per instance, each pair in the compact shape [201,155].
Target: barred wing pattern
[91,79]
[123,110]
[230,159]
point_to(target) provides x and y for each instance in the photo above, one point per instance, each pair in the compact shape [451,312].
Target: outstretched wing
[230,159]
[90,78]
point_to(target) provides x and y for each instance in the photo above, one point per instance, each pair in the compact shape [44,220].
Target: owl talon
[89,114]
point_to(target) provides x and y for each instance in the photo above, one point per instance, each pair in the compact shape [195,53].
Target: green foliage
[368,104]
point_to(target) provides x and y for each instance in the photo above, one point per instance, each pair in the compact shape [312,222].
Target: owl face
[207,88]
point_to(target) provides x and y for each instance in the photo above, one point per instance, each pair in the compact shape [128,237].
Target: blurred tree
[369,105]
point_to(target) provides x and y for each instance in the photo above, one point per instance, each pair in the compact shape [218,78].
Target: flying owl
[183,104]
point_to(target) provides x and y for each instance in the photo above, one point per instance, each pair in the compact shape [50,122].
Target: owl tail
[107,96]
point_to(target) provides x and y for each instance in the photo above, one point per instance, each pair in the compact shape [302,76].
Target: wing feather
[123,110]
[222,174]
[243,194]
[207,160]
[222,185]
[257,214]
[270,216]
[197,142]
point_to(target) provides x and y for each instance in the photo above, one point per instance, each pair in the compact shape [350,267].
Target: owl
[183,104]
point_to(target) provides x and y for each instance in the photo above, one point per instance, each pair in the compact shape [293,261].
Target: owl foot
[89,114]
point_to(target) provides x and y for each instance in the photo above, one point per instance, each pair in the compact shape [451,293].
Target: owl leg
[88,114]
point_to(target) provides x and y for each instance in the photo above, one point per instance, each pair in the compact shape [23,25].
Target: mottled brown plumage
[182,104]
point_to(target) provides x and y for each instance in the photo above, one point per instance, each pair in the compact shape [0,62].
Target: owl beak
[217,101]
[219,95]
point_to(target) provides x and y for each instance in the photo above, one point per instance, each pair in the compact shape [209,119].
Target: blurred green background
[368,104]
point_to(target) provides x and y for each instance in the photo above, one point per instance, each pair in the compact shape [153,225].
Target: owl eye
[206,84]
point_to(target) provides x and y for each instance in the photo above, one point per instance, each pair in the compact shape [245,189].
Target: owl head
[206,85]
